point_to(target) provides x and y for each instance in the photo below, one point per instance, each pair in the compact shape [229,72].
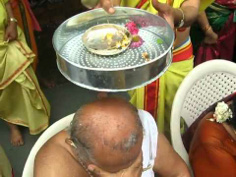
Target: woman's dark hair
[233,108]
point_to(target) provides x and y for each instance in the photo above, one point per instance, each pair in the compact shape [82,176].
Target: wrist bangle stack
[181,23]
[207,28]
[13,20]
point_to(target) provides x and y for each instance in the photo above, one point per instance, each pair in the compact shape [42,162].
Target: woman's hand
[165,11]
[210,37]
[108,5]
[11,32]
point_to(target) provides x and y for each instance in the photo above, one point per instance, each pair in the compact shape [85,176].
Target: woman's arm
[187,12]
[11,29]
[107,5]
[189,9]
[210,36]
[9,10]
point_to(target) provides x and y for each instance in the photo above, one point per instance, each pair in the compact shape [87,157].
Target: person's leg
[16,136]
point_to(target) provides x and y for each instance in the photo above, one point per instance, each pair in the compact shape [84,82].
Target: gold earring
[211,119]
[70,142]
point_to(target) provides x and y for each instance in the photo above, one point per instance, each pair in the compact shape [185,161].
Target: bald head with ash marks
[107,133]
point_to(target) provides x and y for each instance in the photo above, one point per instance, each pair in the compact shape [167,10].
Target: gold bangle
[207,28]
[13,20]
[181,23]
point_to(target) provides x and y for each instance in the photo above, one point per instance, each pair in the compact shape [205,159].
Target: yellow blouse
[149,7]
[5,1]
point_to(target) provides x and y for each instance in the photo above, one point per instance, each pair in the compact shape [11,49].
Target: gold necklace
[85,168]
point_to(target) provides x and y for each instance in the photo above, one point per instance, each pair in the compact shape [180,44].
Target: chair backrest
[204,85]
[50,132]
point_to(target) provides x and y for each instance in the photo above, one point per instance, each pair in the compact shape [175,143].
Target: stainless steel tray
[125,71]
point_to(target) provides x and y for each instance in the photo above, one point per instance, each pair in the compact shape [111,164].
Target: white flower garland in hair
[222,112]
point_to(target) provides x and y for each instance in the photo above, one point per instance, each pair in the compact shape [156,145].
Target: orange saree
[212,151]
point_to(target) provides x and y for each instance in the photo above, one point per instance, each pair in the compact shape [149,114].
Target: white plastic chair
[204,85]
[51,131]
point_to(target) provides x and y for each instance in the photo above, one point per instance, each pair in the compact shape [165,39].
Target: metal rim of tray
[111,69]
[121,90]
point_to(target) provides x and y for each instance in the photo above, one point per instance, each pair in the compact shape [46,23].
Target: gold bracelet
[181,23]
[13,20]
[207,28]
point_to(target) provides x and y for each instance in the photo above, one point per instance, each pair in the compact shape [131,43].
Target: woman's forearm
[9,10]
[203,21]
[11,27]
[190,9]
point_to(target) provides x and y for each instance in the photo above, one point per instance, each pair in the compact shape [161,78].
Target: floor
[50,14]
[64,99]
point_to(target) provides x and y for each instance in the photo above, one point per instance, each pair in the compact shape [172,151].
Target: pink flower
[132,27]
[137,41]
[137,44]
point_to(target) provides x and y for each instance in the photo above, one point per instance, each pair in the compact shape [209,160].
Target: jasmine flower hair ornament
[222,112]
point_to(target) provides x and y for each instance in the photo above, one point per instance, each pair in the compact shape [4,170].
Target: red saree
[224,48]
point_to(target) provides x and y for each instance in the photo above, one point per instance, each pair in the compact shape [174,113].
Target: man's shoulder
[54,159]
[54,145]
[52,152]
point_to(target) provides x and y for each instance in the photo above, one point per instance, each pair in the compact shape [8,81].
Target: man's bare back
[55,159]
[108,135]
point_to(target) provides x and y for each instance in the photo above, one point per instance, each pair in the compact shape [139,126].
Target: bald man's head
[107,132]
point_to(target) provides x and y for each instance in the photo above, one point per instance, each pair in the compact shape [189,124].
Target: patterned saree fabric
[5,166]
[220,15]
[28,23]
[157,97]
[22,102]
